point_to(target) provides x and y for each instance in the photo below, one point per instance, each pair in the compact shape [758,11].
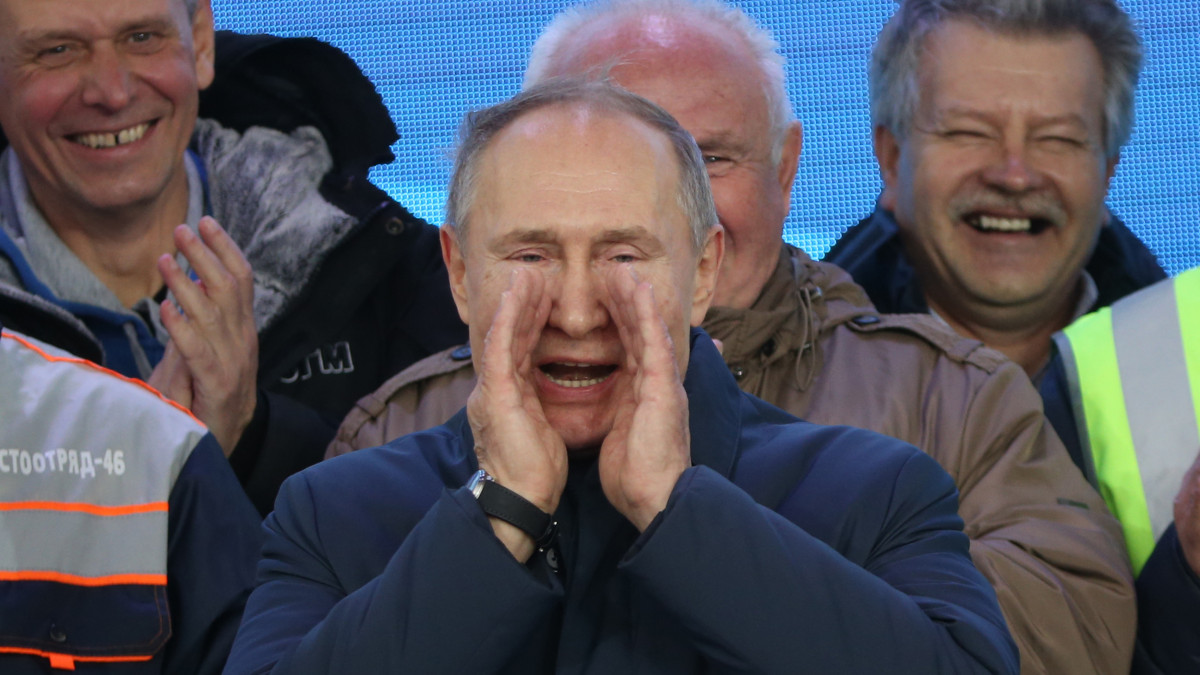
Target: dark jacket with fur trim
[813,345]
[349,286]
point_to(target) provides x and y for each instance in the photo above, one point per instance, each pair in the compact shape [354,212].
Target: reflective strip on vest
[1133,391]
[87,469]
[88,460]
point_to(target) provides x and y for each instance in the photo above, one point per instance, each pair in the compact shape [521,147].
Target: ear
[887,153]
[1111,170]
[452,254]
[707,267]
[789,161]
[204,43]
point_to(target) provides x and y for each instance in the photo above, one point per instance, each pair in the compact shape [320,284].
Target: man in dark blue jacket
[593,509]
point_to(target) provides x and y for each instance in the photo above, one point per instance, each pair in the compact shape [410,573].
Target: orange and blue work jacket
[126,543]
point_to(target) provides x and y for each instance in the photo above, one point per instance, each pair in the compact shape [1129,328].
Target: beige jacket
[815,346]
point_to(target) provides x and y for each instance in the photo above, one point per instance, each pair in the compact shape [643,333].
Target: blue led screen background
[434,60]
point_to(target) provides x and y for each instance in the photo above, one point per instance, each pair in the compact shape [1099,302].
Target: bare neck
[1022,334]
[121,246]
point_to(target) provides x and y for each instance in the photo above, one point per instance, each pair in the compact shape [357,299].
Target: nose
[107,82]
[577,307]
[1013,171]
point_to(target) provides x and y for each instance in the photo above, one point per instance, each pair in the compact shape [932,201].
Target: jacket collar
[871,251]
[714,406]
[801,301]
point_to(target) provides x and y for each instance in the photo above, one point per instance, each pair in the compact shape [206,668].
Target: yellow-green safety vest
[1134,376]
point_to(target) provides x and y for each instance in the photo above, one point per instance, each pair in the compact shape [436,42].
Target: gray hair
[758,40]
[480,127]
[895,59]
[190,5]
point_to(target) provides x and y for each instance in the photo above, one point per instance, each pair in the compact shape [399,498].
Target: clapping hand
[211,363]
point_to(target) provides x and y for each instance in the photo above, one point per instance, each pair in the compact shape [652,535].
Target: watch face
[475,485]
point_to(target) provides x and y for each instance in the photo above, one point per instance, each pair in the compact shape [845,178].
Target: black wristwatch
[500,502]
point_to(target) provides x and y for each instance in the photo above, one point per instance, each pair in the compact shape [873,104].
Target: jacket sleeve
[284,437]
[1168,612]
[778,600]
[419,397]
[451,599]
[213,544]
[1041,535]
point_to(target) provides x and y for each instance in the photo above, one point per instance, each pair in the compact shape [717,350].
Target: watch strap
[500,502]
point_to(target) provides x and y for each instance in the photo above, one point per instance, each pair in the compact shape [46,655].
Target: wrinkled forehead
[592,169]
[27,18]
[563,144]
[1051,76]
[658,41]
[703,75]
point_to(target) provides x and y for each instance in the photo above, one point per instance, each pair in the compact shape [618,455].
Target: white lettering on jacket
[334,359]
[82,463]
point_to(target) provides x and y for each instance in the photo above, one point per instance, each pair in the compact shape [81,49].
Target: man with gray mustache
[998,127]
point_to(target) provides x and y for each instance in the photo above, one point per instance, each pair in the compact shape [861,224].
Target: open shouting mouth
[576,375]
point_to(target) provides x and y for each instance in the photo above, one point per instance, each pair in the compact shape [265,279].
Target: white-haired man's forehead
[627,40]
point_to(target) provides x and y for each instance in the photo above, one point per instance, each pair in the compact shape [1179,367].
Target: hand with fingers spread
[211,362]
[514,442]
[649,445]
[1187,516]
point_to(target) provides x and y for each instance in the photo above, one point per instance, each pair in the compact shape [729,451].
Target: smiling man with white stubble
[609,501]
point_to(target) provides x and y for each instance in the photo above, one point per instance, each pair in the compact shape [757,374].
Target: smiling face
[571,193]
[99,98]
[709,81]
[999,187]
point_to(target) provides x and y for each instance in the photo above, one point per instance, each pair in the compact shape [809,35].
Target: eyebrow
[525,236]
[623,234]
[1038,121]
[632,234]
[719,140]
[35,36]
[615,235]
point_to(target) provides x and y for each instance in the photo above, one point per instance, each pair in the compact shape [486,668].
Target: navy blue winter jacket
[787,548]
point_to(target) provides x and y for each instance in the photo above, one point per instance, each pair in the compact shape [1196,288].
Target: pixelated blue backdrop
[433,60]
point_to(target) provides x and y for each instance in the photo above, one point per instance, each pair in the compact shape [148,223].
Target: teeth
[1004,224]
[111,140]
[575,382]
